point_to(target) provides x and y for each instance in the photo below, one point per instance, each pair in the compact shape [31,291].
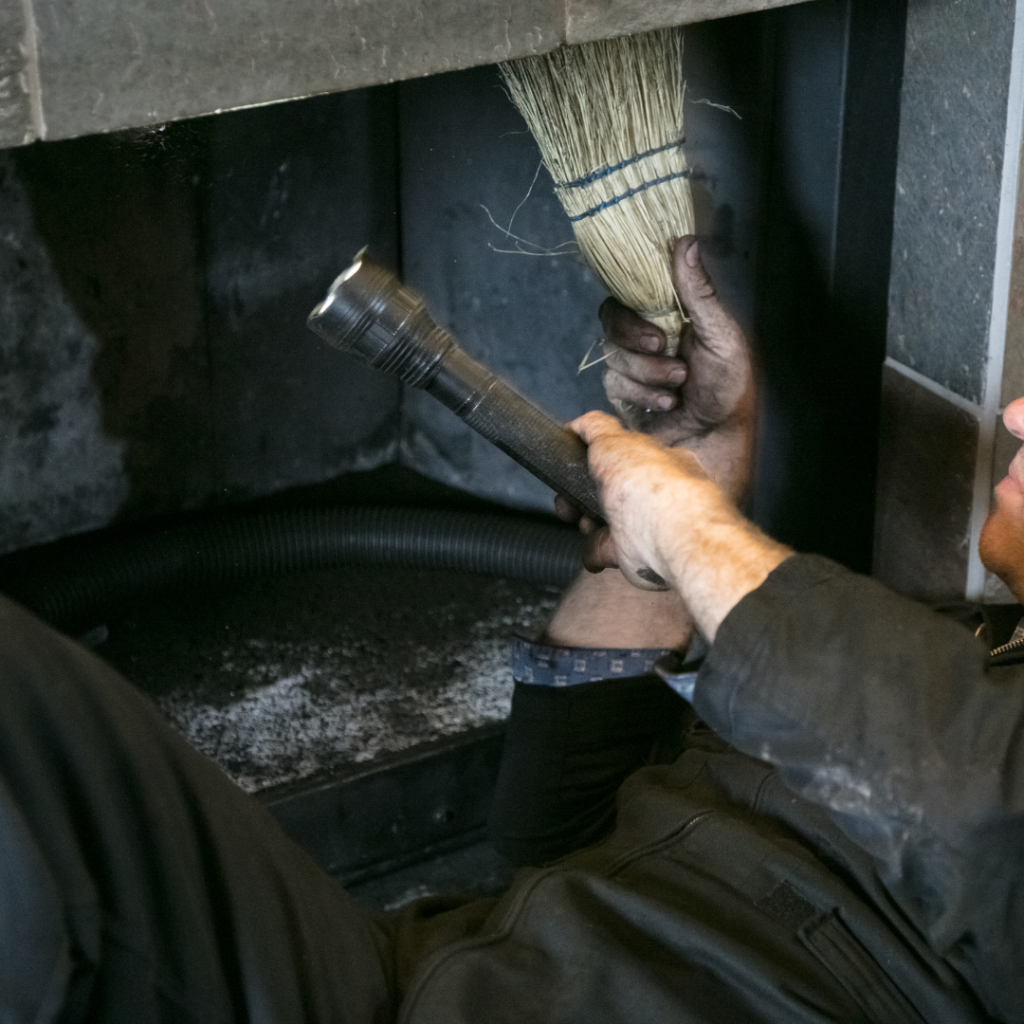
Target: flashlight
[371,315]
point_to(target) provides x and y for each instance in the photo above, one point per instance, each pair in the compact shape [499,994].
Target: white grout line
[33,84]
[1000,306]
[938,389]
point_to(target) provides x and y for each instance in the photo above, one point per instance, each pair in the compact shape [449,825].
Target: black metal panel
[823,284]
[724,68]
[155,287]
[290,193]
[532,317]
[529,318]
[399,809]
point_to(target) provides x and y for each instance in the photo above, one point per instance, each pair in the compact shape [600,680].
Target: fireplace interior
[158,378]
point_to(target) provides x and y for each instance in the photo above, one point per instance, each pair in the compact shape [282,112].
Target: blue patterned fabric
[545,665]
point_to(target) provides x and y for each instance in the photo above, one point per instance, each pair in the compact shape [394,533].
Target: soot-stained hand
[704,398]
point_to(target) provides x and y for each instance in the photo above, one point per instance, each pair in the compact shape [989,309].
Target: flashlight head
[371,315]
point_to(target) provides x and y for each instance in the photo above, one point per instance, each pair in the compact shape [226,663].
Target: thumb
[594,425]
[698,294]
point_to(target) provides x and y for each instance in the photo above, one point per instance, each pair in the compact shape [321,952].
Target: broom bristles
[608,118]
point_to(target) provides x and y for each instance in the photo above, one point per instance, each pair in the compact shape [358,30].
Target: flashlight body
[371,315]
[509,421]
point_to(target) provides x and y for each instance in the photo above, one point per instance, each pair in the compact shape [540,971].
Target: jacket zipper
[1005,648]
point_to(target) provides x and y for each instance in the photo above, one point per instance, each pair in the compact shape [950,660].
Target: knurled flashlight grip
[371,315]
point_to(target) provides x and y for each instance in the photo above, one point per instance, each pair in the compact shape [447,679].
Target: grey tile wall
[927,453]
[952,135]
[1013,358]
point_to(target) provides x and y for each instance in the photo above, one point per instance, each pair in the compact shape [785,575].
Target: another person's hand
[704,398]
[667,518]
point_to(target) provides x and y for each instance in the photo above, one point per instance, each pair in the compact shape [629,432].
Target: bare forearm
[713,557]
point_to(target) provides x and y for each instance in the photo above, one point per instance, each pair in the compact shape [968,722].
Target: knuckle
[616,357]
[654,371]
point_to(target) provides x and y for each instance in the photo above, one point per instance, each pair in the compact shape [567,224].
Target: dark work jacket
[846,844]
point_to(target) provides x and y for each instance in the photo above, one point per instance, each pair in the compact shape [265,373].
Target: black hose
[76,588]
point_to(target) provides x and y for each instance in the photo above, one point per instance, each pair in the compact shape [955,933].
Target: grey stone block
[17,76]
[74,67]
[927,453]
[952,135]
[586,20]
[107,64]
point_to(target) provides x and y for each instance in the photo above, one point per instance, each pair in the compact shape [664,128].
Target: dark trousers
[138,884]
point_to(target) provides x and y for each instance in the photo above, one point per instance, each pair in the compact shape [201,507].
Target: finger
[714,325]
[599,551]
[593,425]
[566,509]
[656,371]
[621,389]
[624,328]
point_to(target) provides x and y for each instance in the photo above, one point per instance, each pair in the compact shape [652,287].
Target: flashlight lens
[325,305]
[351,272]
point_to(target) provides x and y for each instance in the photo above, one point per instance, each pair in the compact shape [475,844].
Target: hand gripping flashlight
[369,314]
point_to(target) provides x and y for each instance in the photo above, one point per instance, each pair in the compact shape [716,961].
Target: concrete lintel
[105,65]
[21,112]
[587,20]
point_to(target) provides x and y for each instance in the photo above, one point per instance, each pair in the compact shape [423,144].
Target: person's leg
[569,746]
[605,610]
[137,883]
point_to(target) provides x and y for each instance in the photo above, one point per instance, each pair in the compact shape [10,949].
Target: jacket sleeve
[891,718]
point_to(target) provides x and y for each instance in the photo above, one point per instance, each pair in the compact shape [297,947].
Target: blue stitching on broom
[589,179]
[615,200]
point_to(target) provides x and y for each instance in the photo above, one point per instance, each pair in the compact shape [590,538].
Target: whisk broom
[608,117]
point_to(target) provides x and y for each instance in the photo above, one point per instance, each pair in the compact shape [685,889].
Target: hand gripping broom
[608,117]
